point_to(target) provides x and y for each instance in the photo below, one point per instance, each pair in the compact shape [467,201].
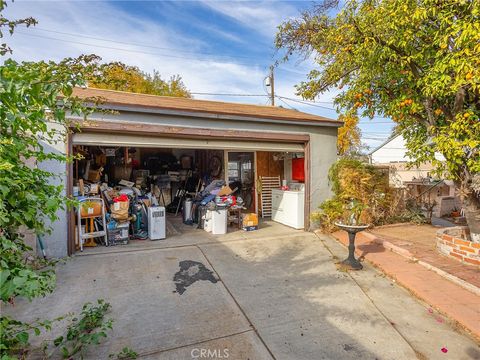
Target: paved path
[270,297]
[419,242]
[451,299]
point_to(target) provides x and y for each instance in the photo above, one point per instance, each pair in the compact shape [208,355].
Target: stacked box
[250,222]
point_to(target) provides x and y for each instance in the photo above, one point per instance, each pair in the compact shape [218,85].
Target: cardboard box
[94,175]
[119,210]
[225,190]
[250,222]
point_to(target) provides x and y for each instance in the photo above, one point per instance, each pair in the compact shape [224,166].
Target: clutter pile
[124,195]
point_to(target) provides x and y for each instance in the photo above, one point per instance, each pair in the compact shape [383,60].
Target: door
[240,175]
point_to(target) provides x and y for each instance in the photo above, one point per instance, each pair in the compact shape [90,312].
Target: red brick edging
[422,283]
[450,243]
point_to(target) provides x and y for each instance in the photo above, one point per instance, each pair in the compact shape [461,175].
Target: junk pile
[126,193]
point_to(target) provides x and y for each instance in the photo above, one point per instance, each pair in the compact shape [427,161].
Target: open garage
[141,138]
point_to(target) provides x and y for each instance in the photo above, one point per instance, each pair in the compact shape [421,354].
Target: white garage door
[103,139]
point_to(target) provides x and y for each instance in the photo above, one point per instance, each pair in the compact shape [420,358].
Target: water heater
[156,223]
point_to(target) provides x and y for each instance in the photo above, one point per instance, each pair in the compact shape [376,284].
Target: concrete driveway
[273,293]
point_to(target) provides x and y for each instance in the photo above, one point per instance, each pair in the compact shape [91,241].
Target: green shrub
[82,332]
[331,211]
[360,191]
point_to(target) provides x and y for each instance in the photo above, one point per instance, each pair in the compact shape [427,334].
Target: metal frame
[81,235]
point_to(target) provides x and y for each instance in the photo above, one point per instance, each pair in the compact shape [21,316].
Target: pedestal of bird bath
[352,230]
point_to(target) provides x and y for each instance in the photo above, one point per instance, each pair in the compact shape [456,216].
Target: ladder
[90,233]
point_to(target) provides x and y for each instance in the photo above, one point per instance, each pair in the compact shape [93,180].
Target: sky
[217,47]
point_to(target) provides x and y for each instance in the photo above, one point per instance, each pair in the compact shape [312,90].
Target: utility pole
[272,87]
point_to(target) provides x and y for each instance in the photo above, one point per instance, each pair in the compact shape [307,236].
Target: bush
[361,193]
[331,211]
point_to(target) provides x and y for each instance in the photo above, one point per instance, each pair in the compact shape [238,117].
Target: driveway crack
[236,302]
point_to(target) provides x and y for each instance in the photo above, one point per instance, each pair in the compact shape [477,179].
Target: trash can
[187,210]
[219,219]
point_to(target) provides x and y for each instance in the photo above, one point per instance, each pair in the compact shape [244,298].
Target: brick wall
[454,242]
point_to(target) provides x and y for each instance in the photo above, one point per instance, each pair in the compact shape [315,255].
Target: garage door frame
[181,132]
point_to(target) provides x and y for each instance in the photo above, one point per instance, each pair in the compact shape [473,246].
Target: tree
[415,61]
[36,99]
[119,76]
[10,24]
[349,135]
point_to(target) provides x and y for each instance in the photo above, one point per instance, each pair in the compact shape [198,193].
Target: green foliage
[119,76]
[89,329]
[412,215]
[415,61]
[15,335]
[331,211]
[10,25]
[125,354]
[36,98]
[33,120]
[360,191]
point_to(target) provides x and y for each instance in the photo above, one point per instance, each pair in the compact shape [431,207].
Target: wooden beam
[178,131]
[69,193]
[308,180]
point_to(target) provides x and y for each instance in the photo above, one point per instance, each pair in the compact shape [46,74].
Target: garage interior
[189,182]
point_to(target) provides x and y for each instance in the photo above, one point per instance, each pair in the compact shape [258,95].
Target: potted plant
[455,213]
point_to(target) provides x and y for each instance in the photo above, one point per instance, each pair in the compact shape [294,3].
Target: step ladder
[90,233]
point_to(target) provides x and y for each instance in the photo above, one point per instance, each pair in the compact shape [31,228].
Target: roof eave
[383,144]
[210,115]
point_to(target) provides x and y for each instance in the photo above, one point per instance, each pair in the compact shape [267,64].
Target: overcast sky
[216,46]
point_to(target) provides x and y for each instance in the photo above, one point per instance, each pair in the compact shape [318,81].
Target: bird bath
[352,230]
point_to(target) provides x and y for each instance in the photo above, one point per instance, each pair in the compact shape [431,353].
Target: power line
[225,94]
[291,107]
[313,103]
[127,50]
[370,122]
[305,103]
[139,44]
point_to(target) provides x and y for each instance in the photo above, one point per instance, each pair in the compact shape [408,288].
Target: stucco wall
[323,153]
[323,140]
[56,242]
[322,149]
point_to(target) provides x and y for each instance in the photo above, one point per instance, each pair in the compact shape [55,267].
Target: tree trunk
[472,215]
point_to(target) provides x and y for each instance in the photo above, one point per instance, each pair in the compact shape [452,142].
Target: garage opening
[135,189]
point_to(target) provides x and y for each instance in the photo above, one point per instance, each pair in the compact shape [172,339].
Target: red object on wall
[298,169]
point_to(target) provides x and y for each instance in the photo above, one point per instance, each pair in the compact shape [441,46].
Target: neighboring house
[182,125]
[417,180]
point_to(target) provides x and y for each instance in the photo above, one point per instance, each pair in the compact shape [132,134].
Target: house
[417,181]
[236,142]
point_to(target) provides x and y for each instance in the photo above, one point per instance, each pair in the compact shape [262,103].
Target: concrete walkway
[270,294]
[462,306]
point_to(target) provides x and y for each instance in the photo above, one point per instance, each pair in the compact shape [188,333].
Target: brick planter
[454,242]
